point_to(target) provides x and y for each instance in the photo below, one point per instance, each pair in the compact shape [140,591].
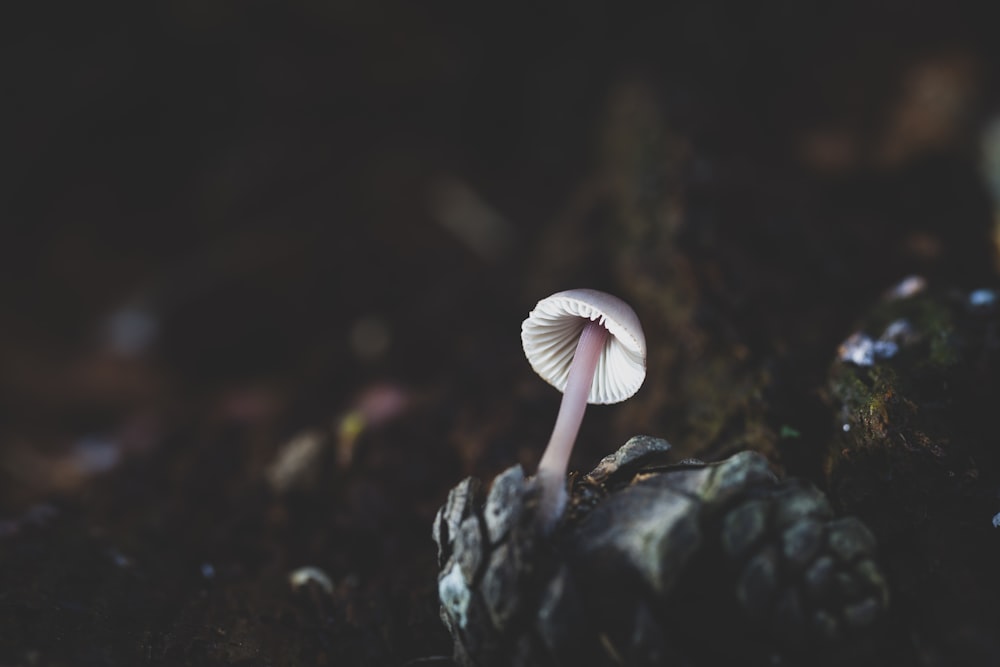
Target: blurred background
[263,268]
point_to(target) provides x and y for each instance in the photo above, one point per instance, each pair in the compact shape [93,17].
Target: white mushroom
[590,346]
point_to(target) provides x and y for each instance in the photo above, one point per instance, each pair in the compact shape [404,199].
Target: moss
[916,428]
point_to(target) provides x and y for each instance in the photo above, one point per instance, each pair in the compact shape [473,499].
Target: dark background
[228,224]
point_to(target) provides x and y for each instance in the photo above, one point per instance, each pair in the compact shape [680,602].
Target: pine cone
[651,565]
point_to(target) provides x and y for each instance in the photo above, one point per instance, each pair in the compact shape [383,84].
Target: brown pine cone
[652,565]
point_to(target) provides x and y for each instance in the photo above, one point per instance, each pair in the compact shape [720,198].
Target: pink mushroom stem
[555,460]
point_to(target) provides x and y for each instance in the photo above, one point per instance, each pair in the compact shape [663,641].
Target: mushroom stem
[555,460]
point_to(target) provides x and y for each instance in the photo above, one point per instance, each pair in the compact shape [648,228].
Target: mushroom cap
[553,328]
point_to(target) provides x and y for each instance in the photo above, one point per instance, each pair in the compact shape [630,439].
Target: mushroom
[590,346]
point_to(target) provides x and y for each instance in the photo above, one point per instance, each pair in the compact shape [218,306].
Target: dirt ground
[263,269]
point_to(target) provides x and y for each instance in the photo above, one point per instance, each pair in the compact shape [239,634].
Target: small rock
[304,576]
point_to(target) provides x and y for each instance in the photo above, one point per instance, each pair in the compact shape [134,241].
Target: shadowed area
[263,269]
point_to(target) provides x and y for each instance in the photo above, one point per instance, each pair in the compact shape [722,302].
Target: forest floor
[262,276]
